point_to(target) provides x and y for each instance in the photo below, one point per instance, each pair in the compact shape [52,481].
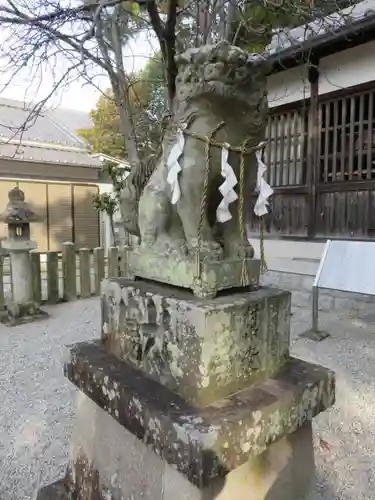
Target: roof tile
[49,137]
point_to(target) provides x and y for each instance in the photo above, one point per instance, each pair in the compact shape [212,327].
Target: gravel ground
[344,435]
[38,403]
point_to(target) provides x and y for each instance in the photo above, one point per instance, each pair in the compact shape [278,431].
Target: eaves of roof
[102,157]
[328,41]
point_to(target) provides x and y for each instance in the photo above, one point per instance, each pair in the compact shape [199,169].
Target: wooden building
[54,168]
[321,129]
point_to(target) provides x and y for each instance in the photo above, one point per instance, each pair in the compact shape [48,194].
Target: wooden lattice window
[347,139]
[285,152]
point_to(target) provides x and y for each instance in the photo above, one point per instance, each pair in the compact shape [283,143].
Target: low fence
[67,275]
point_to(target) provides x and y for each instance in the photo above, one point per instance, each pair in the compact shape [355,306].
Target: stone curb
[300,285]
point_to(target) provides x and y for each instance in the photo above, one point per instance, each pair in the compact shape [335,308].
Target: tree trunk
[231,22]
[127,125]
[114,236]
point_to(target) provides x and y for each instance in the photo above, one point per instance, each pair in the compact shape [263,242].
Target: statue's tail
[132,191]
[137,181]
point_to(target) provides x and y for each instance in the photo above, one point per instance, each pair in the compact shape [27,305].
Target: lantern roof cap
[18,211]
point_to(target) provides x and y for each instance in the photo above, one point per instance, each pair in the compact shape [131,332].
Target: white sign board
[348,266]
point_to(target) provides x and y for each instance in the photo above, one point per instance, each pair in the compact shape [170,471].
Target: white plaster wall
[105,224]
[106,237]
[288,86]
[341,70]
[348,68]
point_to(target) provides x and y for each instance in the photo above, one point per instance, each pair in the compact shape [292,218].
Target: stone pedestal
[110,459]
[185,398]
[20,268]
[201,349]
[17,216]
[181,271]
[21,308]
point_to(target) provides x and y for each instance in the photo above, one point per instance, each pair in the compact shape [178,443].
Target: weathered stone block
[216,275]
[17,314]
[113,262]
[133,432]
[69,269]
[37,277]
[55,491]
[201,349]
[285,471]
[121,466]
[85,272]
[99,268]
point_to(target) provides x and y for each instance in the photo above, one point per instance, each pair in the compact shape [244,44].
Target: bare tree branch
[92,37]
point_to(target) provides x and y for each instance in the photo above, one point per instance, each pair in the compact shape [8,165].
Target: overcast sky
[78,94]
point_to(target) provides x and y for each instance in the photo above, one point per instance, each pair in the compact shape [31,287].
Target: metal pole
[314,333]
[315,289]
[315,308]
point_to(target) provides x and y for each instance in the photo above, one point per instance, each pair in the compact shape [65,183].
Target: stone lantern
[18,215]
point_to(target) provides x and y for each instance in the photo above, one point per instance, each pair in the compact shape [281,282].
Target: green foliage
[146,94]
[105,202]
[116,174]
[255,24]
[108,202]
[152,79]
[105,136]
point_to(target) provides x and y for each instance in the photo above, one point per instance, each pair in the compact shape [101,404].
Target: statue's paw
[248,251]
[176,248]
[211,250]
[240,250]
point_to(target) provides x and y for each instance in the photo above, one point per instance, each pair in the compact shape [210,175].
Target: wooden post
[122,254]
[53,277]
[98,268]
[2,300]
[124,261]
[313,160]
[113,267]
[37,277]
[84,273]
[69,271]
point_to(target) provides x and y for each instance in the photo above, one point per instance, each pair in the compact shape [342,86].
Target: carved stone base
[136,439]
[17,314]
[285,471]
[201,349]
[182,272]
[118,466]
[55,491]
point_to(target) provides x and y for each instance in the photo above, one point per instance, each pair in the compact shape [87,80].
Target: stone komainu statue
[219,88]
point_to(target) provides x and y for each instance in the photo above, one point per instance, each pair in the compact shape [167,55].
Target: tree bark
[119,86]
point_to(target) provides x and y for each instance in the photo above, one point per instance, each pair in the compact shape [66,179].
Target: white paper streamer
[264,189]
[226,189]
[174,167]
